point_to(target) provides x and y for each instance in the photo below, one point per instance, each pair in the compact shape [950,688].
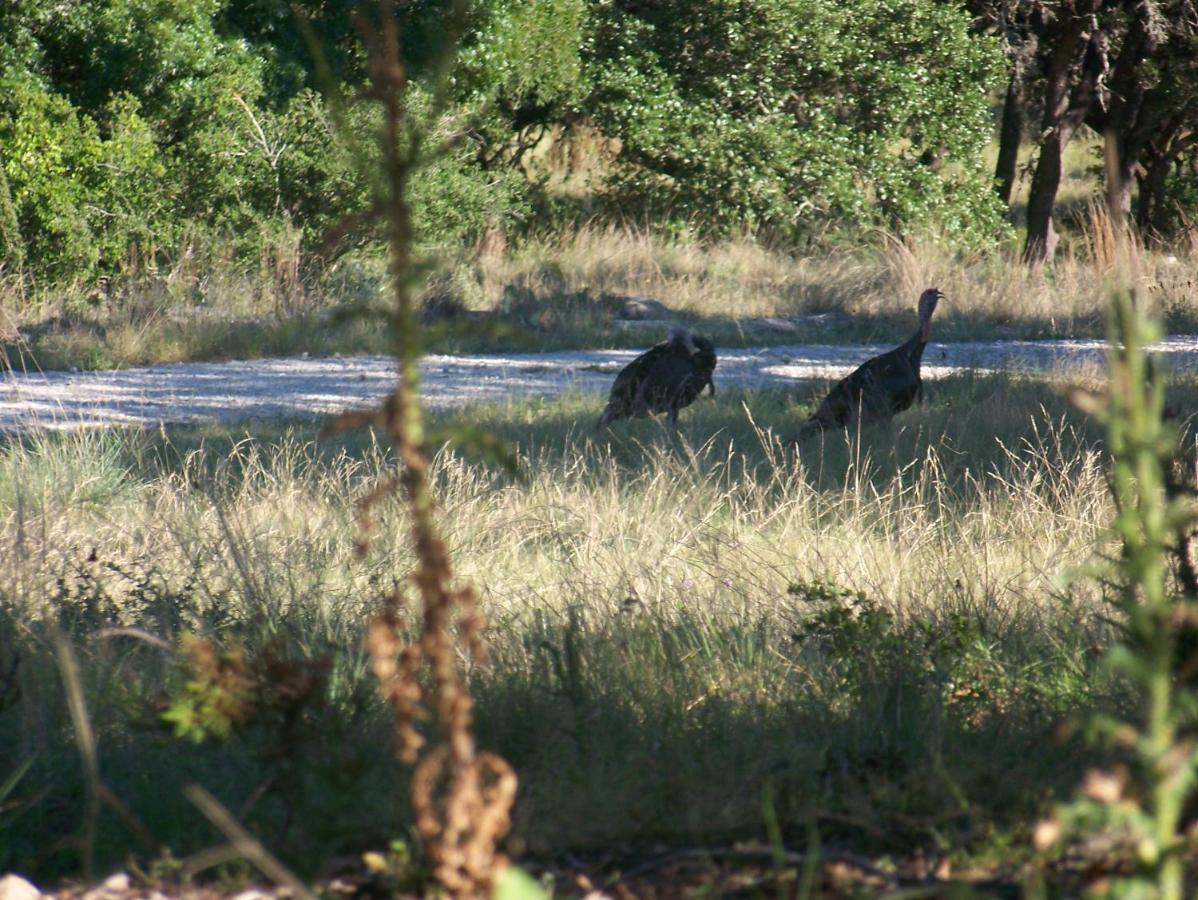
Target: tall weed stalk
[461,796]
[1144,811]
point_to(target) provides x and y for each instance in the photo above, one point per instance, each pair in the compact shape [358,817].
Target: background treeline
[139,134]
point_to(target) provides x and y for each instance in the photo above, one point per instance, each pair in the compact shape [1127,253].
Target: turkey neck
[915,346]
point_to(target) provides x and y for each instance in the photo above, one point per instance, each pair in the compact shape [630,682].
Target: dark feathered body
[881,386]
[877,389]
[665,378]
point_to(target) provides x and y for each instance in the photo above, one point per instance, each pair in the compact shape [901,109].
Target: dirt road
[275,388]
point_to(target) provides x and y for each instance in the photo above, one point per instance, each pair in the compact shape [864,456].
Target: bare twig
[246,844]
[85,742]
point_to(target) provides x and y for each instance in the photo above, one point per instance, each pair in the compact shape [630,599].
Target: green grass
[879,632]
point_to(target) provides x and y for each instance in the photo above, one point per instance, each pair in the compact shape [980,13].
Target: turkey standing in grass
[665,378]
[882,386]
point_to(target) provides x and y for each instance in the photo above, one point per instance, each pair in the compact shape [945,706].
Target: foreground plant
[1142,807]
[461,797]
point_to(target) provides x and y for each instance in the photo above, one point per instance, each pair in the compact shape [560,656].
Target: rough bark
[1119,177]
[1122,114]
[1173,143]
[1151,200]
[1069,92]
[1014,112]
[1041,232]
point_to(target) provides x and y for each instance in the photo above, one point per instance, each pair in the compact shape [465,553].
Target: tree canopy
[132,129]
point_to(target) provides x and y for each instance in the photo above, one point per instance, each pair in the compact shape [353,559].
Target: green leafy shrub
[139,133]
[781,114]
[47,149]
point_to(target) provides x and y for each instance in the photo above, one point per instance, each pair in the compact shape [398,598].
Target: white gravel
[288,388]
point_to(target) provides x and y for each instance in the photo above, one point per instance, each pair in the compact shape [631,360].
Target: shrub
[780,114]
[79,198]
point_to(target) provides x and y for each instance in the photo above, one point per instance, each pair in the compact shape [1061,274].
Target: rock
[769,323]
[662,325]
[117,883]
[793,324]
[38,330]
[114,886]
[641,308]
[252,894]
[14,887]
[834,319]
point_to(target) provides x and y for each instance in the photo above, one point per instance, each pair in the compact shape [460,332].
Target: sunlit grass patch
[564,292]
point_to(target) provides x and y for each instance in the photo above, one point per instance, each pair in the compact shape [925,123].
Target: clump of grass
[649,600]
[992,294]
[82,470]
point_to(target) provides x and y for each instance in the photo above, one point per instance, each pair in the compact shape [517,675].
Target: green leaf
[516,884]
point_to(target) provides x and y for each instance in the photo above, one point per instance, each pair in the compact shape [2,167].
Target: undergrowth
[878,632]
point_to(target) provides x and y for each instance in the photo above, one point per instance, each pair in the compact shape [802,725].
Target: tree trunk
[1041,233]
[1151,201]
[1064,111]
[1118,164]
[1010,133]
[1125,120]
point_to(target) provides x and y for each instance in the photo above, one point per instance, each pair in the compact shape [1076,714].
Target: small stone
[14,887]
[118,883]
[1046,833]
[252,894]
[1104,787]
[770,323]
[640,308]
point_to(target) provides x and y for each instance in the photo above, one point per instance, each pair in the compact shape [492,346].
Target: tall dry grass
[912,519]
[557,292]
[991,294]
[667,618]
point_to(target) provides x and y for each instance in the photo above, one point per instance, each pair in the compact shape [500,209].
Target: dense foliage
[1125,69]
[133,132]
[783,113]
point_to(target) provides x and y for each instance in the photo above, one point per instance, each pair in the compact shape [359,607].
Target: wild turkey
[882,386]
[665,378]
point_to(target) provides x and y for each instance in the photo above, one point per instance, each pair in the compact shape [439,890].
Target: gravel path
[274,388]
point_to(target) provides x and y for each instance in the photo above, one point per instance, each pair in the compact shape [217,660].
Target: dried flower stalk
[461,798]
